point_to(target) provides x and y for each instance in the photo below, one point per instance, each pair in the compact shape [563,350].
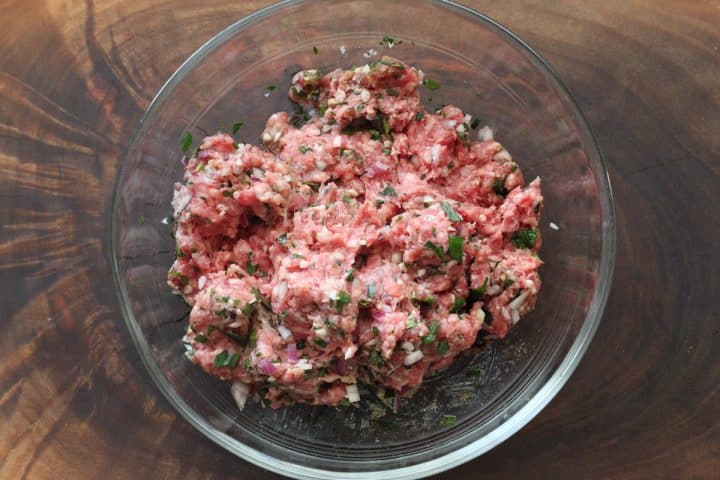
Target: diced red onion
[185,161]
[376,169]
[267,367]
[377,315]
[292,352]
[239,392]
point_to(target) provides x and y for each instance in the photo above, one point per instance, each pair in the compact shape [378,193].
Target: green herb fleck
[282,238]
[250,267]
[448,420]
[473,372]
[343,299]
[297,255]
[200,167]
[347,199]
[457,305]
[452,215]
[237,126]
[349,276]
[443,347]
[432,333]
[320,342]
[419,116]
[371,290]
[375,135]
[507,283]
[498,187]
[389,191]
[435,249]
[376,359]
[386,151]
[179,253]
[200,338]
[524,238]
[411,322]
[315,50]
[303,149]
[271,88]
[227,193]
[431,84]
[455,247]
[376,331]
[221,359]
[392,92]
[186,142]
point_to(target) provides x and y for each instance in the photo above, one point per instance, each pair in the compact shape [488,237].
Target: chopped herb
[435,249]
[514,167]
[343,299]
[478,293]
[448,420]
[297,255]
[455,247]
[431,84]
[379,203]
[235,337]
[475,123]
[452,215]
[507,283]
[227,193]
[237,126]
[344,403]
[200,167]
[419,116]
[371,289]
[443,347]
[392,92]
[457,305]
[200,338]
[282,238]
[186,142]
[451,165]
[376,359]
[411,322]
[498,187]
[347,198]
[473,372]
[233,360]
[250,267]
[221,359]
[179,253]
[314,185]
[376,331]
[389,191]
[225,299]
[315,50]
[375,135]
[524,238]
[432,333]
[320,342]
[387,40]
[271,88]
[349,276]
[303,149]
[386,151]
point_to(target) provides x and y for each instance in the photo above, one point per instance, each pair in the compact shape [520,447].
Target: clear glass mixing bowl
[485,70]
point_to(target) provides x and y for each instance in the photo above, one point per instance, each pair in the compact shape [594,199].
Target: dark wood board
[75,400]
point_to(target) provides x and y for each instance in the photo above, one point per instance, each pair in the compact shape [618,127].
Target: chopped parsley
[315,50]
[475,123]
[224,359]
[389,191]
[411,322]
[457,305]
[432,333]
[507,283]
[282,238]
[386,151]
[376,359]
[524,238]
[250,267]
[388,40]
[443,347]
[349,276]
[343,299]
[297,255]
[392,92]
[435,249]
[419,116]
[455,247]
[347,199]
[186,142]
[452,215]
[303,149]
[498,187]
[179,253]
[376,331]
[473,372]
[448,420]
[375,135]
[236,127]
[320,342]
[371,290]
[200,338]
[431,84]
[227,193]
[271,88]
[479,292]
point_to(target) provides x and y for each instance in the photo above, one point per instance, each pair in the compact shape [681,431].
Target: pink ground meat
[373,244]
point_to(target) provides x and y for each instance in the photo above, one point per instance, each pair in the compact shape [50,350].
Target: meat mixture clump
[373,244]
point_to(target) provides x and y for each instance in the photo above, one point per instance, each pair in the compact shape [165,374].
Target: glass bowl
[485,70]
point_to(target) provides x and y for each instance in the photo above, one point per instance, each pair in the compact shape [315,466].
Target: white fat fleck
[285,332]
[320,164]
[353,394]
[321,332]
[363,242]
[164,221]
[352,243]
[279,291]
[485,133]
[421,272]
[480,315]
[396,257]
[554,226]
[338,256]
[515,317]
[413,357]
[365,95]
[370,53]
[365,68]
[502,156]
[407,346]
[435,153]
[323,235]
[266,137]
[449,123]
[340,95]
[202,281]
[342,49]
[467,118]
[337,141]
[267,94]
[304,364]
[427,199]
[371,343]
[257,173]
[304,264]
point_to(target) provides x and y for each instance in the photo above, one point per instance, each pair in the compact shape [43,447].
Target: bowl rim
[516,420]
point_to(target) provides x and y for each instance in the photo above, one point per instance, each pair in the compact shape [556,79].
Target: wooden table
[76,403]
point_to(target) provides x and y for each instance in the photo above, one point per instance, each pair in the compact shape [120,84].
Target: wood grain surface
[76,402]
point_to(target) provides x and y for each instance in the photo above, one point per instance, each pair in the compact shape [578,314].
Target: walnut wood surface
[75,401]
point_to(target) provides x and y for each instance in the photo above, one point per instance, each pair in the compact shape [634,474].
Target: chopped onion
[502,156]
[201,282]
[279,292]
[239,392]
[517,303]
[408,346]
[304,364]
[485,133]
[353,394]
[413,357]
[350,352]
[285,332]
[267,367]
[292,353]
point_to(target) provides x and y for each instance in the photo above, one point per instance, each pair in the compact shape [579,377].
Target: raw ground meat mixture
[372,244]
